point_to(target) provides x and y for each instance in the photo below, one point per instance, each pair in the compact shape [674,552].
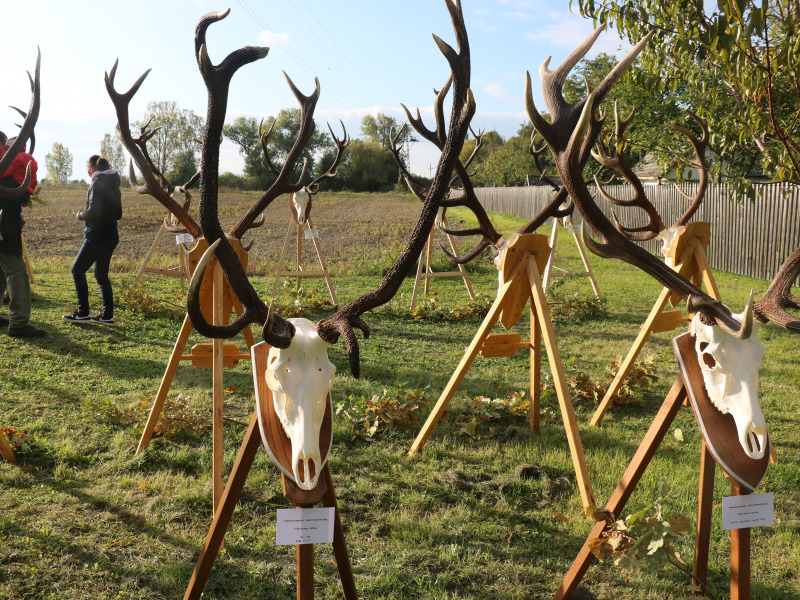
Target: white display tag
[310,234]
[304,526]
[750,510]
[184,238]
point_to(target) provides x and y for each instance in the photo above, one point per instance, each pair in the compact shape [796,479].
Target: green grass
[84,517]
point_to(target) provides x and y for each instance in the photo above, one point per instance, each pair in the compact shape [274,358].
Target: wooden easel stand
[425,270]
[692,265]
[558,223]
[305,556]
[299,273]
[180,271]
[522,284]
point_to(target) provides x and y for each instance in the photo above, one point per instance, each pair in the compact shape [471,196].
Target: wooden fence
[747,238]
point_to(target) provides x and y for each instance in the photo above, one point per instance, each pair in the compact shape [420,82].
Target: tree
[58,163]
[244,132]
[736,63]
[111,149]
[176,139]
[367,167]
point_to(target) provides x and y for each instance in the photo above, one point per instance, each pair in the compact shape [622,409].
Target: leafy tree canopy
[736,63]
[58,163]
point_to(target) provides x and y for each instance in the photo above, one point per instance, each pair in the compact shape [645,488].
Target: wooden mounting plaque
[277,443]
[718,430]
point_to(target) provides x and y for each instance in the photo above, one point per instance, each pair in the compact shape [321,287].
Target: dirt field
[383,222]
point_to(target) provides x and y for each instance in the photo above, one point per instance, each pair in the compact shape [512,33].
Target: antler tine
[25,132]
[32,137]
[698,163]
[281,185]
[610,156]
[313,187]
[121,102]
[408,177]
[778,297]
[348,317]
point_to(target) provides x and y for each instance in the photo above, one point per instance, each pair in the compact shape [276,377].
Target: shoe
[76,317]
[28,331]
[103,320]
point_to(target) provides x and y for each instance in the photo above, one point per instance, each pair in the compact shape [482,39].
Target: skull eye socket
[703,346]
[709,360]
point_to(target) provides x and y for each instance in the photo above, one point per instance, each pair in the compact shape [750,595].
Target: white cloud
[569,31]
[271,37]
[496,90]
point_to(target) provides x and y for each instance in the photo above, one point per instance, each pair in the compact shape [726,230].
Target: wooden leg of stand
[586,267]
[150,253]
[418,278]
[324,266]
[282,261]
[461,370]
[339,543]
[705,501]
[26,259]
[536,373]
[560,384]
[6,451]
[740,557]
[553,239]
[166,382]
[217,387]
[305,571]
[636,468]
[429,263]
[299,253]
[638,343]
[222,516]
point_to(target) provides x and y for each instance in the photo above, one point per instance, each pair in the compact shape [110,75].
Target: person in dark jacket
[13,272]
[100,237]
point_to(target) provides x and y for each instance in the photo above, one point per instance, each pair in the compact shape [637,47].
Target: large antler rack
[341,144]
[610,155]
[466,196]
[25,132]
[137,148]
[566,136]
[778,297]
[450,141]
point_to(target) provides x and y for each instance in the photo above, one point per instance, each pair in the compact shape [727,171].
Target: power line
[300,63]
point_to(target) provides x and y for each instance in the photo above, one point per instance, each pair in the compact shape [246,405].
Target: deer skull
[300,200]
[300,378]
[730,371]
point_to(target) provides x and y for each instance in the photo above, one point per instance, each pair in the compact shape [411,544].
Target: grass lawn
[486,511]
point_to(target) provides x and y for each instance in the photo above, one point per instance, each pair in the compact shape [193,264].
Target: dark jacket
[11,221]
[103,208]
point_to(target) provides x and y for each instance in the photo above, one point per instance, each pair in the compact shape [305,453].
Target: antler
[450,141]
[566,136]
[25,132]
[282,185]
[778,297]
[313,187]
[152,186]
[611,156]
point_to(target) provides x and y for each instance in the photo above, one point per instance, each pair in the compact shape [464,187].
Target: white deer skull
[668,238]
[300,378]
[300,199]
[730,371]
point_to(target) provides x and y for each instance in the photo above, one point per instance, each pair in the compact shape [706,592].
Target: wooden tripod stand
[180,271]
[216,301]
[425,271]
[279,448]
[523,260]
[722,441]
[296,229]
[690,251]
[558,223]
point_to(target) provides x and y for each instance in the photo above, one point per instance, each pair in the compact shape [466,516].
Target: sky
[369,55]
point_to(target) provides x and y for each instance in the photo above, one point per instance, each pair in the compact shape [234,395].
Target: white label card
[310,234]
[750,510]
[184,238]
[304,526]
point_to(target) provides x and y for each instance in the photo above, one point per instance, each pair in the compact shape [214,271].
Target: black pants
[99,254]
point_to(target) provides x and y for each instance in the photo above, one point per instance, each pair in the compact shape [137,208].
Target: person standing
[100,238]
[13,272]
